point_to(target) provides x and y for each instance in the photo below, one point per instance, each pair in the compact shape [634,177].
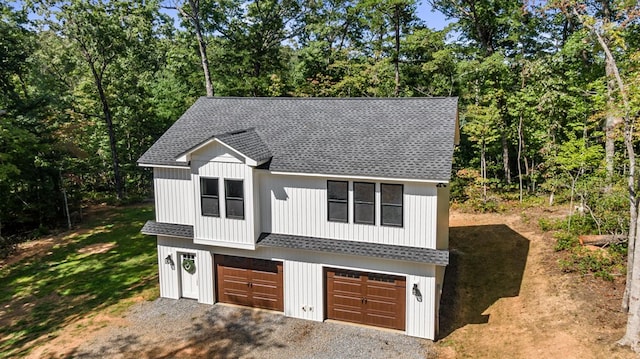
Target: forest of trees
[549,91]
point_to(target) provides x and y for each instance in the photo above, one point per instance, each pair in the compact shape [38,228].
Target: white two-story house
[320,208]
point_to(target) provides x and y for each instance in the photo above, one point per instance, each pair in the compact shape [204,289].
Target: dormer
[242,144]
[225,188]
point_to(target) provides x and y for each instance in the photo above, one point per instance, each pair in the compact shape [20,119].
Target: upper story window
[209,197]
[234,198]
[391,204]
[338,201]
[364,202]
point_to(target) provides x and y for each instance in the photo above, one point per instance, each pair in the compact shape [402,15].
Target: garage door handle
[249,284]
[363,300]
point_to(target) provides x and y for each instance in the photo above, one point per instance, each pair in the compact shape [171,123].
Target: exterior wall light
[441,185]
[416,292]
[168,260]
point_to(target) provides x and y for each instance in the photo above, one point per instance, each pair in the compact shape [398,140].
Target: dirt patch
[37,248]
[504,295]
[97,248]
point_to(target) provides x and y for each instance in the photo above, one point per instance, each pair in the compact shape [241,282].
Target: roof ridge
[329,98]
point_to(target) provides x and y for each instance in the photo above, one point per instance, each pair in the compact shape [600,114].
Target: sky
[433,18]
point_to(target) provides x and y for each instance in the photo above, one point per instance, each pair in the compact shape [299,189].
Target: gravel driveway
[167,328]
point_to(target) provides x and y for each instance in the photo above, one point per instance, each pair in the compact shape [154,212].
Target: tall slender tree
[606,33]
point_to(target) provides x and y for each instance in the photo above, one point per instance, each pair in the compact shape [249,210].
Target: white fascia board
[216,243]
[165,235]
[163,166]
[389,179]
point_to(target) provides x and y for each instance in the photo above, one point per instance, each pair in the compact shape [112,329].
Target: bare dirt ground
[522,305]
[504,297]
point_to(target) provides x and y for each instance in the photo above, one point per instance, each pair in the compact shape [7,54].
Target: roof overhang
[154,228]
[356,248]
[183,166]
[356,177]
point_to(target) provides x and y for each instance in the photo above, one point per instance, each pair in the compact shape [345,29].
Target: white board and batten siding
[297,205]
[216,161]
[421,320]
[169,275]
[173,195]
[303,290]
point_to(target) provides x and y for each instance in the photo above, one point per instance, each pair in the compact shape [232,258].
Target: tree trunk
[632,266]
[66,202]
[632,292]
[396,55]
[612,121]
[112,137]
[483,171]
[194,18]
[505,156]
[532,177]
[520,136]
[520,156]
[573,191]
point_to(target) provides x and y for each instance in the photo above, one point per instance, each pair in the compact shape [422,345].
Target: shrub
[601,263]
[550,224]
[576,224]
[565,240]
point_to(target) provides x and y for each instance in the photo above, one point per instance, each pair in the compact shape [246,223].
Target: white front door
[188,275]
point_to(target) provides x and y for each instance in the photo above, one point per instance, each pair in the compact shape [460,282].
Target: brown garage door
[249,281]
[366,298]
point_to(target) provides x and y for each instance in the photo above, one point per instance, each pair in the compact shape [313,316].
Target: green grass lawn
[42,294]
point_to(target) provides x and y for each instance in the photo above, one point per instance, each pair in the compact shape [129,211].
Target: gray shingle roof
[167,229]
[378,137]
[247,142]
[386,251]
